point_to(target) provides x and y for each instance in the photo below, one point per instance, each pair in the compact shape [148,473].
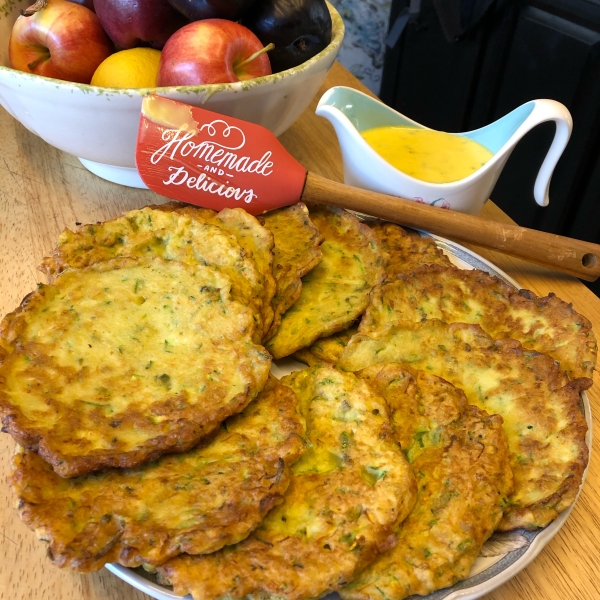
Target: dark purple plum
[131,23]
[298,28]
[196,10]
[87,3]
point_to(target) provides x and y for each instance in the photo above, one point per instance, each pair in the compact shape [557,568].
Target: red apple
[61,40]
[131,23]
[212,51]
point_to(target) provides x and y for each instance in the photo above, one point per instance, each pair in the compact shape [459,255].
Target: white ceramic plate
[502,556]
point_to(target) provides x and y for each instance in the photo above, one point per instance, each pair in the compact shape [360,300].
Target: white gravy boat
[351,112]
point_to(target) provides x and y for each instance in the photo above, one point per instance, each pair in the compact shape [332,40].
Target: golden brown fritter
[421,405]
[406,249]
[547,325]
[169,235]
[256,240]
[195,503]
[336,291]
[297,251]
[540,407]
[191,210]
[326,350]
[459,456]
[347,495]
[117,363]
[260,241]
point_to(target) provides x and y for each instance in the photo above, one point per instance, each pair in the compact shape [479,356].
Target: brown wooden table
[43,190]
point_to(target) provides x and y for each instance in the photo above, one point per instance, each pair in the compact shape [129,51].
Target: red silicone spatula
[200,157]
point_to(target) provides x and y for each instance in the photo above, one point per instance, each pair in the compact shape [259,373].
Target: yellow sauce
[427,155]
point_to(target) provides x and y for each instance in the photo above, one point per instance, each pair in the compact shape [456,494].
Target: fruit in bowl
[59,39]
[212,51]
[195,10]
[52,37]
[130,24]
[299,29]
[87,3]
[100,124]
[133,68]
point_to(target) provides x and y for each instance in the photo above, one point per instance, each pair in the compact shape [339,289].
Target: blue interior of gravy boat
[365,112]
[495,135]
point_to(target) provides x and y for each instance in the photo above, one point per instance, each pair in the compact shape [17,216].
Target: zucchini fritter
[406,249]
[347,495]
[336,291]
[196,502]
[120,362]
[169,235]
[326,350]
[256,240]
[260,242]
[297,251]
[547,325]
[540,406]
[459,456]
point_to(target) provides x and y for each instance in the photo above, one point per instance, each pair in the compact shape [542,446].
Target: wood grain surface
[43,190]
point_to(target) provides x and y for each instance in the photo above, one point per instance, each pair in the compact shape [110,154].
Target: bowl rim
[338,29]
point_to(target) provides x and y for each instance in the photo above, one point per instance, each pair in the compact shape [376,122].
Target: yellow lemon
[134,68]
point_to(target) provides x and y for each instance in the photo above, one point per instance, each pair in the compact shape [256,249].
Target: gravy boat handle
[547,110]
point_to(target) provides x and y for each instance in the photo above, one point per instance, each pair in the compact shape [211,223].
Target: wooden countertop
[44,190]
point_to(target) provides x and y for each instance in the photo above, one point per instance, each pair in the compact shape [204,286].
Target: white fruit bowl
[99,125]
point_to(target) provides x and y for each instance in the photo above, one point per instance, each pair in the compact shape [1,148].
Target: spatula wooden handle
[575,257]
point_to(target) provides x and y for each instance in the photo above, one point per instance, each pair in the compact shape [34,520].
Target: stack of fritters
[402,252]
[348,494]
[114,364]
[459,456]
[502,347]
[336,291]
[195,502]
[296,252]
[453,295]
[440,404]
[540,407]
[170,235]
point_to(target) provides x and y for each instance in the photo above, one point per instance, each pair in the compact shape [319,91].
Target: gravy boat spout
[351,112]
